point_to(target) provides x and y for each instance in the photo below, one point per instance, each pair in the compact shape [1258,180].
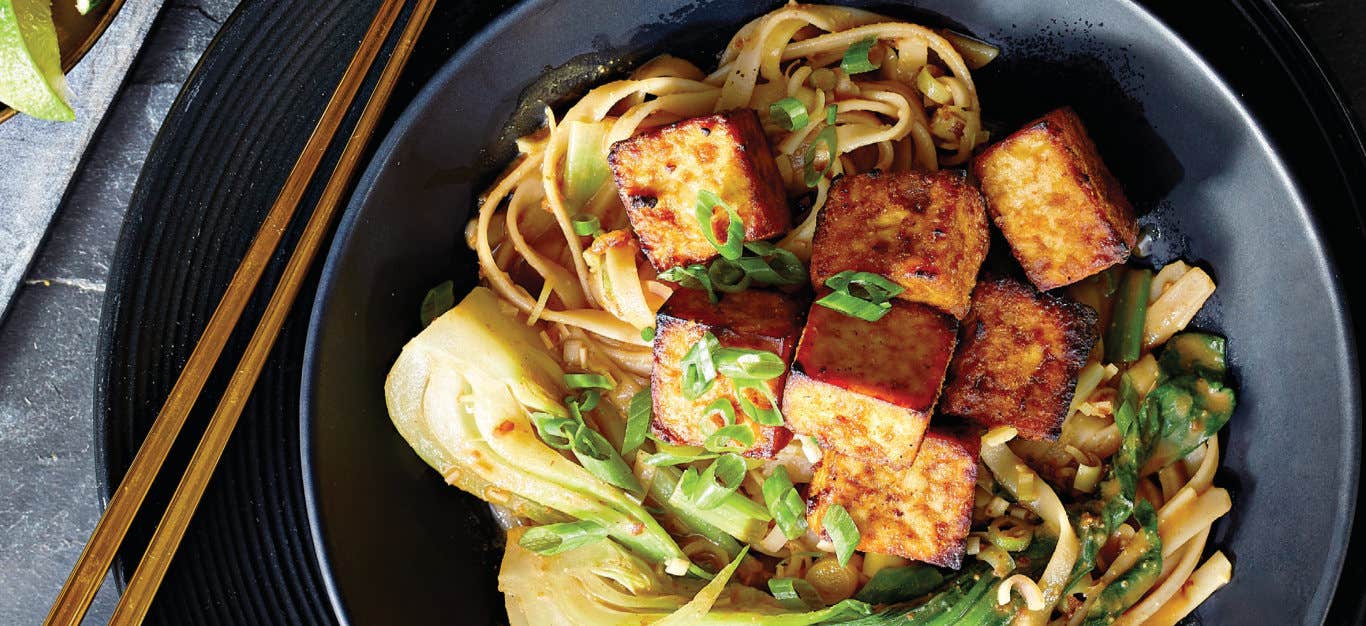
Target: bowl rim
[1346,493]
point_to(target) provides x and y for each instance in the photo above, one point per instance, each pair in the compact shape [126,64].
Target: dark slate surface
[48,499]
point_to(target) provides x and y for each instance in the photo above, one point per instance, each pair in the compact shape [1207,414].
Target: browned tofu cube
[754,319]
[1057,204]
[924,231]
[661,171]
[1019,352]
[867,389]
[923,512]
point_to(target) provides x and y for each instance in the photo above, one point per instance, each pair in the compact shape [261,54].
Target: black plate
[398,546]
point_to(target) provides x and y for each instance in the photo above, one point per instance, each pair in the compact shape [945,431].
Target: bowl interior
[397,545]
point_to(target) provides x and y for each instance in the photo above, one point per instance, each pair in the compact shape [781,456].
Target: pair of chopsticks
[79,590]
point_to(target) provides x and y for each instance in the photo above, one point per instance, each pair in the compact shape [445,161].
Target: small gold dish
[76,33]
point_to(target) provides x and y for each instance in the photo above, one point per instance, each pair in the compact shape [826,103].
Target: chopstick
[79,590]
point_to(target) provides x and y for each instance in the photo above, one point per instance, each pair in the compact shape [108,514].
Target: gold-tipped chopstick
[79,590]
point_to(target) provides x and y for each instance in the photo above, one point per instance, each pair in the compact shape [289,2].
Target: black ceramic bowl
[398,546]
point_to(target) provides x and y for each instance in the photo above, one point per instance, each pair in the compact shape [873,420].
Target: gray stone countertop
[49,500]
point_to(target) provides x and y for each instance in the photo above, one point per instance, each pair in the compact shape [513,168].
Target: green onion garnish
[788,113]
[722,406]
[728,276]
[699,370]
[768,416]
[588,381]
[638,416]
[842,302]
[647,334]
[707,202]
[708,489]
[598,456]
[842,532]
[586,225]
[692,277]
[863,295]
[785,504]
[733,438]
[669,458]
[557,538]
[856,59]
[438,300]
[796,594]
[750,364]
[810,175]
[554,430]
[830,113]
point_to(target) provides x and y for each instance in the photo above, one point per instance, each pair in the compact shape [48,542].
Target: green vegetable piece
[1130,586]
[557,432]
[895,584]
[828,138]
[1092,534]
[842,302]
[728,276]
[728,439]
[598,456]
[586,226]
[770,415]
[981,587]
[1121,485]
[1124,342]
[785,505]
[749,364]
[1188,410]
[843,532]
[707,203]
[563,537]
[588,381]
[737,515]
[864,295]
[788,113]
[638,416]
[585,163]
[438,300]
[647,334]
[721,479]
[693,277]
[796,594]
[699,367]
[1201,354]
[661,490]
[856,59]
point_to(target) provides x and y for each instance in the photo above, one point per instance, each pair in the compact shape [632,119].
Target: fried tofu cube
[755,320]
[867,389]
[1063,213]
[922,512]
[660,173]
[924,231]
[1019,353]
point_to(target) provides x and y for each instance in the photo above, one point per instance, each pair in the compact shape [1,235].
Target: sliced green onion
[789,268]
[770,416]
[710,488]
[875,288]
[932,88]
[647,334]
[692,277]
[671,458]
[598,456]
[734,245]
[788,113]
[827,137]
[585,162]
[638,417]
[785,504]
[842,302]
[761,248]
[732,438]
[830,113]
[554,430]
[588,381]
[842,530]
[586,225]
[751,364]
[557,538]
[796,594]
[1010,534]
[438,300]
[699,370]
[856,59]
[728,276]
[722,406]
